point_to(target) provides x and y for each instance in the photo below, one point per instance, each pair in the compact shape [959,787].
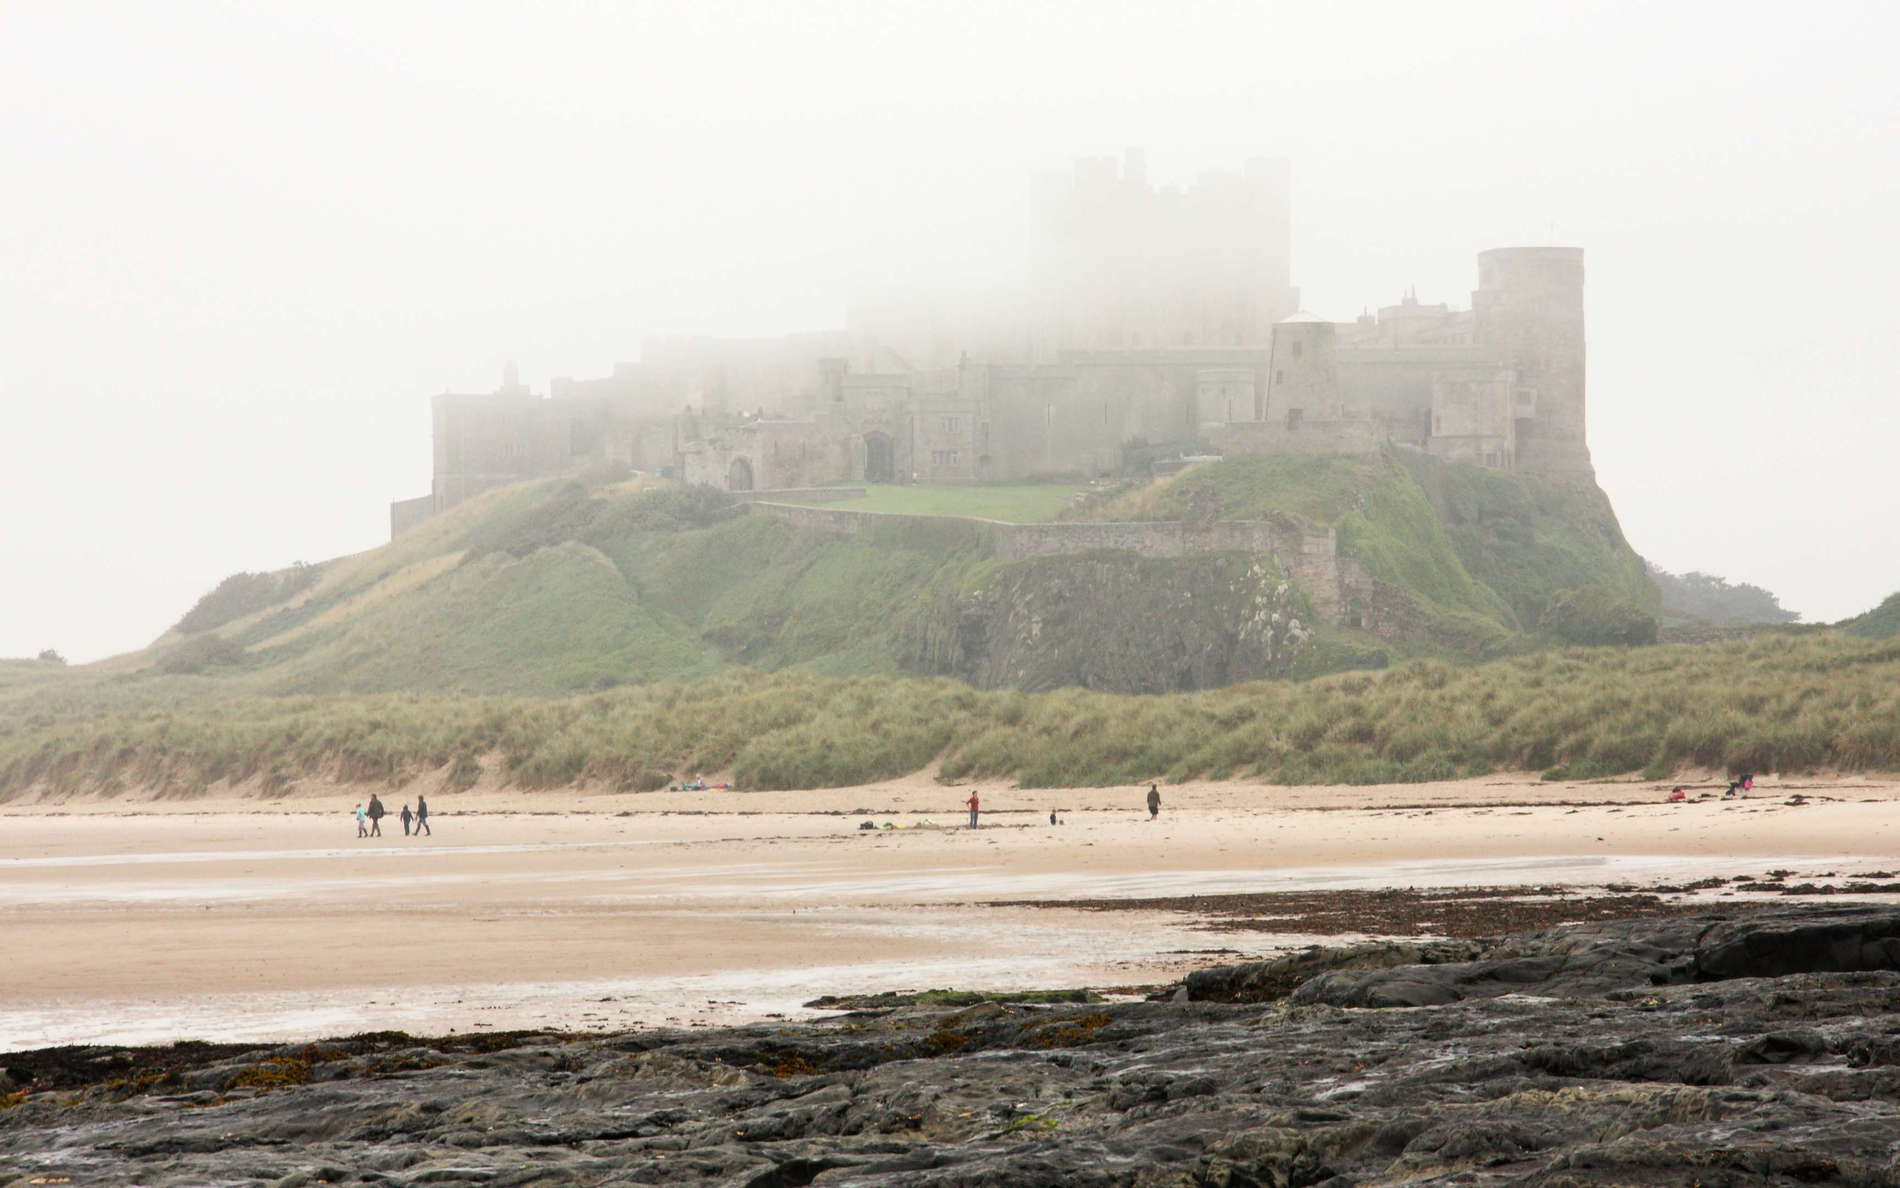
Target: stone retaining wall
[1310,558]
[821,494]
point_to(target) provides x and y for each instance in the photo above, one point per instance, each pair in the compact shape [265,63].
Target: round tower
[1529,310]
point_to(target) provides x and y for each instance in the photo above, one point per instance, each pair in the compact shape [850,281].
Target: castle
[1163,315]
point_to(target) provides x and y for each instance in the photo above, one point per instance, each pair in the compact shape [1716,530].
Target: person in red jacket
[972,802]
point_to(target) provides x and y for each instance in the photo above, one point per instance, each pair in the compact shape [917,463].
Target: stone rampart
[1168,538]
[814,494]
[1314,436]
[405,514]
[1309,557]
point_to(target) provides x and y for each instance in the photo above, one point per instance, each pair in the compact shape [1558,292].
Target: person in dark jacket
[1154,802]
[422,817]
[376,812]
[405,820]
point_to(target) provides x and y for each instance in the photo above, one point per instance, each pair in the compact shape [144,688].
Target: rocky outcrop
[1571,960]
[1124,623]
[1735,1072]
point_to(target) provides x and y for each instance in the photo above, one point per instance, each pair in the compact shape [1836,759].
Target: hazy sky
[241,244]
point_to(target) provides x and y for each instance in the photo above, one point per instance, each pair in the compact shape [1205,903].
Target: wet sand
[138,920]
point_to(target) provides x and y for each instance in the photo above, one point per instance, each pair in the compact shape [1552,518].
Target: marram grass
[1774,702]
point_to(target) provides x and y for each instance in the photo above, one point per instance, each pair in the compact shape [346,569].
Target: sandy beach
[144,920]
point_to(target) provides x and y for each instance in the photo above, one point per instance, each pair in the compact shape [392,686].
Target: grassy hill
[553,588]
[507,593]
[625,635]
[1484,554]
[1882,622]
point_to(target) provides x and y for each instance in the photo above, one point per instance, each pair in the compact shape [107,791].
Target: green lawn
[1017,503]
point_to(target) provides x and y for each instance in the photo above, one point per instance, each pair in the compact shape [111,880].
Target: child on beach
[362,822]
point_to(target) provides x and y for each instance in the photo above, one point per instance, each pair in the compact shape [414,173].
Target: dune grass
[1769,703]
[1882,622]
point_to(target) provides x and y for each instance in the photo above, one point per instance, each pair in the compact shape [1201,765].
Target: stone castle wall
[405,514]
[1311,558]
[1362,436]
[1018,542]
[812,494]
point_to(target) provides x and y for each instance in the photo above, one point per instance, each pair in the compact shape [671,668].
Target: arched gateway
[880,458]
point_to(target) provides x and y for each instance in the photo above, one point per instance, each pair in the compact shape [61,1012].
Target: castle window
[1299,348]
[1279,377]
[943,457]
[952,424]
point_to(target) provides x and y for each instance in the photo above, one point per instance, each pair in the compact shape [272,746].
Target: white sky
[241,244]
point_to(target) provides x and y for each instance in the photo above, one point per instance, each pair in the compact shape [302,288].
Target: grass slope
[1882,622]
[560,619]
[1483,552]
[768,596]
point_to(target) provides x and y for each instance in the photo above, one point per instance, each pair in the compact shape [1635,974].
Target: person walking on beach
[422,817]
[375,816]
[362,830]
[1154,802]
[405,819]
[972,802]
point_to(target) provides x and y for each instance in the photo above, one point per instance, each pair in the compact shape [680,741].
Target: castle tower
[1303,377]
[1528,308]
[831,373]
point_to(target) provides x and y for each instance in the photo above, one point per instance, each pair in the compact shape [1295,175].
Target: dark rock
[1597,958]
[1269,981]
[1755,1049]
[1783,1047]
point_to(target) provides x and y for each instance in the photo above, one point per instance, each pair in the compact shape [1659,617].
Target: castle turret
[1303,377]
[1529,310]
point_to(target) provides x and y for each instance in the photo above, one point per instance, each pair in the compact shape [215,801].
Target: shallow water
[992,952]
[262,942]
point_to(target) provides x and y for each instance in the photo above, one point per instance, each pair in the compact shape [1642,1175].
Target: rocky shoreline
[1725,1047]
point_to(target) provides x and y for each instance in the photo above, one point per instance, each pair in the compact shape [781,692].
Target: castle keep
[1160,315]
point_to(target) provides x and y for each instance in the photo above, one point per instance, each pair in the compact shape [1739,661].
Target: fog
[242,245]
